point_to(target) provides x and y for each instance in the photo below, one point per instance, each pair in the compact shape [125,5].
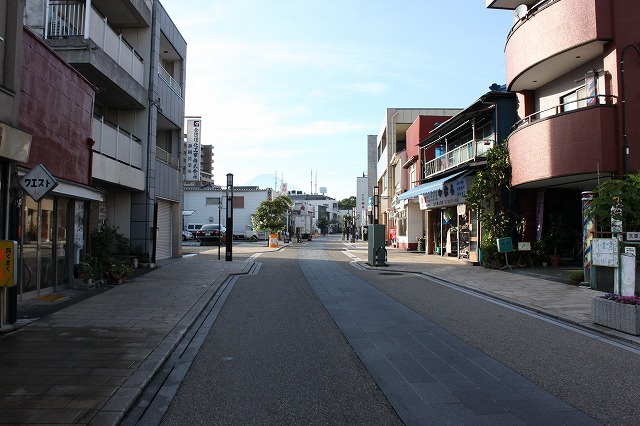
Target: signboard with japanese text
[604,252]
[8,275]
[38,182]
[450,193]
[192,170]
[505,245]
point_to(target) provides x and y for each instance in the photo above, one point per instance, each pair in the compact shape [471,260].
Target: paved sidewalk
[87,363]
[567,302]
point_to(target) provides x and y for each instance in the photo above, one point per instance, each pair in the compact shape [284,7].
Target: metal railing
[165,157]
[67,19]
[531,12]
[459,155]
[114,142]
[564,108]
[175,86]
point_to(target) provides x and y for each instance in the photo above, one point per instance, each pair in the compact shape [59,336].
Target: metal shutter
[163,241]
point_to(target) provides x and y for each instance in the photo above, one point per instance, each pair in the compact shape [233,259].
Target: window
[413,180]
[574,100]
[212,201]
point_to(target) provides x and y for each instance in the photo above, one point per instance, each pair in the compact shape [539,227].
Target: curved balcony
[554,38]
[568,149]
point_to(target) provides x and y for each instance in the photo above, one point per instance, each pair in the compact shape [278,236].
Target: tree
[618,200]
[347,203]
[270,214]
[489,196]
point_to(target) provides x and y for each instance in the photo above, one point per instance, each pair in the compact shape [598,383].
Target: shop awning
[429,186]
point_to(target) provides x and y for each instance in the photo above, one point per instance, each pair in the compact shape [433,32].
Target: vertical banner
[192,171]
[539,214]
[588,228]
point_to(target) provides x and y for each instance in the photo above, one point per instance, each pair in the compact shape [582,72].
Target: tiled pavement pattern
[429,375]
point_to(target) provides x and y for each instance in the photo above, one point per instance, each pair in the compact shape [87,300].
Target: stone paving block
[478,402]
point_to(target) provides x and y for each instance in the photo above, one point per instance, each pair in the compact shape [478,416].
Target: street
[311,339]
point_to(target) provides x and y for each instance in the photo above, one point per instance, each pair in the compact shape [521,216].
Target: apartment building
[390,156]
[135,57]
[450,155]
[575,66]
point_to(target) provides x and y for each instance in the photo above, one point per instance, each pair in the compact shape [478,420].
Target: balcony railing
[531,12]
[68,19]
[175,86]
[165,157]
[116,143]
[585,102]
[459,155]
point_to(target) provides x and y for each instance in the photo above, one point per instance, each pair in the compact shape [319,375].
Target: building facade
[575,66]
[450,156]
[134,55]
[389,154]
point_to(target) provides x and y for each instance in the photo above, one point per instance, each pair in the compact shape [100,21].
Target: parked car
[187,235]
[211,234]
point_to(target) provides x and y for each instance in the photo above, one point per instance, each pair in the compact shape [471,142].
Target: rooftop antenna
[311,181]
[316,183]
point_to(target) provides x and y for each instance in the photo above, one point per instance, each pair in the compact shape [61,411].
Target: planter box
[618,316]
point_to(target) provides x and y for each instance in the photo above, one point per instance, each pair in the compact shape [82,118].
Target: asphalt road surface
[275,355]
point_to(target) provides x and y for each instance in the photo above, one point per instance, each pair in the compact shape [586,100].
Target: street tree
[347,203]
[271,214]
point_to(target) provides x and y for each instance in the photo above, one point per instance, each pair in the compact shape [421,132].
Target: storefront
[53,238]
[450,228]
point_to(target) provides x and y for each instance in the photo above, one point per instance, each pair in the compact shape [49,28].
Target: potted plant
[577,276]
[540,251]
[119,271]
[83,270]
[555,238]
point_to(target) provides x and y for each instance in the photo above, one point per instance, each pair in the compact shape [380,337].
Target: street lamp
[229,235]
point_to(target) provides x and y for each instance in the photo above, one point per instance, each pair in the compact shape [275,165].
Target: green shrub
[577,276]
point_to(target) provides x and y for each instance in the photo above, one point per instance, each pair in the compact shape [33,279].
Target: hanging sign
[38,182]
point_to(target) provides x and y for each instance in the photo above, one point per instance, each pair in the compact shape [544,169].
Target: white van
[193,227]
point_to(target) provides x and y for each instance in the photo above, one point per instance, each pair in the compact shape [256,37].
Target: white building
[206,204]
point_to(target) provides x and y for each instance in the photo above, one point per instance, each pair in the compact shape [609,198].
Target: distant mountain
[270,181]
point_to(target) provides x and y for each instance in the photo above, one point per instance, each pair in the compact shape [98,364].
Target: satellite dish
[323,190]
[520,12]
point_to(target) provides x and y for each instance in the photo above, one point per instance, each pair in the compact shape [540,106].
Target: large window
[574,99]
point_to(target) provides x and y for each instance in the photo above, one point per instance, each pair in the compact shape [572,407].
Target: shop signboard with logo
[450,193]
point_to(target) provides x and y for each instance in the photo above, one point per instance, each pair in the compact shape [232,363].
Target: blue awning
[429,186]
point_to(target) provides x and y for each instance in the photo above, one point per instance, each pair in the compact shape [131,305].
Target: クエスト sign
[38,182]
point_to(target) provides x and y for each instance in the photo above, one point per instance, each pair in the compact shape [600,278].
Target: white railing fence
[116,143]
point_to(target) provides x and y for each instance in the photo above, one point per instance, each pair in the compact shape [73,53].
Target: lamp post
[625,148]
[229,235]
[376,204]
[219,224]
[353,226]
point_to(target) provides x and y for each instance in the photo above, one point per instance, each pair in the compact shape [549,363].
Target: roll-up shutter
[163,241]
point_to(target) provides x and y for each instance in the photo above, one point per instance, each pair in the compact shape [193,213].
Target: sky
[292,88]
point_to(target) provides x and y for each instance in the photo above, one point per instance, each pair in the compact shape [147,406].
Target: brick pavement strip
[87,363]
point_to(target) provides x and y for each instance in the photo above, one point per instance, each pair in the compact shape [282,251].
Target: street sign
[38,182]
